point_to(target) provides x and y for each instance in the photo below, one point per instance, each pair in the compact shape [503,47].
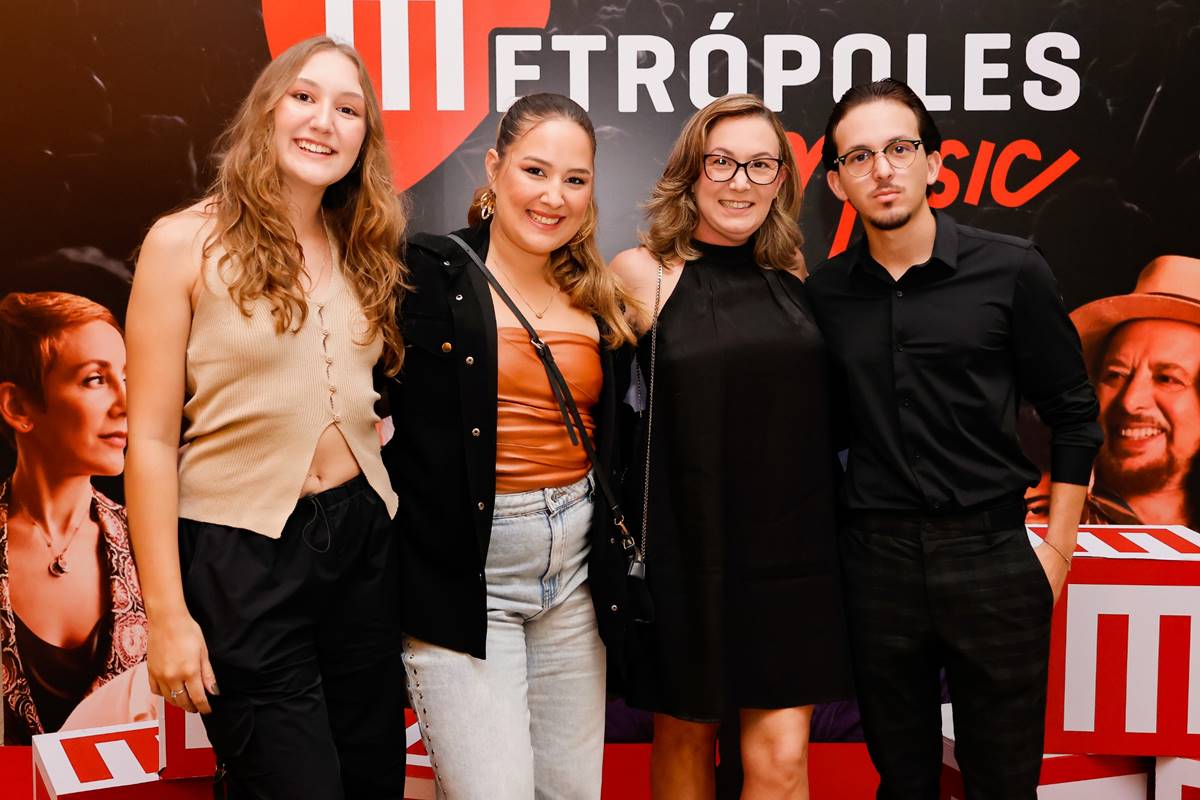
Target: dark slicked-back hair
[886,89]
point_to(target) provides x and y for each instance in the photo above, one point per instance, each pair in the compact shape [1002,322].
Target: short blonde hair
[672,211]
[31,329]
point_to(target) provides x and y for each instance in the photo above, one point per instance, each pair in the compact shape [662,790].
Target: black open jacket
[442,458]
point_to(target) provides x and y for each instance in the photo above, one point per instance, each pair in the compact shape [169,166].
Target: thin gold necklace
[58,565]
[521,294]
[314,284]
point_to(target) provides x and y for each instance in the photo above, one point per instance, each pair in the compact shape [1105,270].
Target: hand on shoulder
[798,267]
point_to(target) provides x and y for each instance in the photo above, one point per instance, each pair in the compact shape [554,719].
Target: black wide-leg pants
[303,635]
[967,595]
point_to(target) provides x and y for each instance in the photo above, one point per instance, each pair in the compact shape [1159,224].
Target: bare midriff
[533,450]
[333,463]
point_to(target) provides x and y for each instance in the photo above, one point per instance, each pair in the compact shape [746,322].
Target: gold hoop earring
[487,204]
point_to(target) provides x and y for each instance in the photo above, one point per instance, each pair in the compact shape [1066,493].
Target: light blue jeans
[527,721]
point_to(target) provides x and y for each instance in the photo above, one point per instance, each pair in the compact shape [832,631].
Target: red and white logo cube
[183,748]
[1134,542]
[184,751]
[418,776]
[1125,644]
[1063,777]
[1177,779]
[109,762]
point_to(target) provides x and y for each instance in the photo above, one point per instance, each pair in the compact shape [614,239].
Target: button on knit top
[257,402]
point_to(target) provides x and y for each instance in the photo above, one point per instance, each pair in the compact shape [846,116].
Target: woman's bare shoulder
[173,249]
[635,267]
[181,228]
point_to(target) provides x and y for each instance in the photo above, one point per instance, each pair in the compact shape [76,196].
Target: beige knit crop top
[257,401]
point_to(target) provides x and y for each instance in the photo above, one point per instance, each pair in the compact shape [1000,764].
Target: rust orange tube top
[533,450]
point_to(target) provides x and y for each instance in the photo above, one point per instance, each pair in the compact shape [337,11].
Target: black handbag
[639,595]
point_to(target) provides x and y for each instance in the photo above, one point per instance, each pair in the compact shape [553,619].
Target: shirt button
[899,293]
[337,417]
[614,607]
[907,402]
[899,348]
[475,432]
[328,359]
[447,347]
[470,360]
[324,331]
[458,297]
[916,456]
[332,389]
[445,263]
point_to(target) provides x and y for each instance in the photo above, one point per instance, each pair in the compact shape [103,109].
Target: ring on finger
[176,692]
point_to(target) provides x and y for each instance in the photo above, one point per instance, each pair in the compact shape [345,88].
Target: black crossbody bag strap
[569,411]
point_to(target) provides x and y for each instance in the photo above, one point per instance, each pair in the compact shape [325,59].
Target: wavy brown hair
[362,210]
[672,211]
[576,267]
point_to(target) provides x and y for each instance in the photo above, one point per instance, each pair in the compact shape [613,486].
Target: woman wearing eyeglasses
[739,552]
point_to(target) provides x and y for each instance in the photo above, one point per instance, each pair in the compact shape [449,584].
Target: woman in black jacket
[512,575]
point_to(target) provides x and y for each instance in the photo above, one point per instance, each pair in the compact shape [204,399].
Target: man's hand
[1066,506]
[1055,567]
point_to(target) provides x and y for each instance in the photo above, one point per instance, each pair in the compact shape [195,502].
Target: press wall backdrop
[1073,124]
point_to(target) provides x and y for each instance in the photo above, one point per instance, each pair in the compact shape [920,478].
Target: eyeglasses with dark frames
[721,168]
[900,153]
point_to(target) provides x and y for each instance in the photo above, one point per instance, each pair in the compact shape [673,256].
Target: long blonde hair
[362,211]
[672,211]
[576,267]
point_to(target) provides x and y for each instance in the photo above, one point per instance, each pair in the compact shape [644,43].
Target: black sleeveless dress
[741,557]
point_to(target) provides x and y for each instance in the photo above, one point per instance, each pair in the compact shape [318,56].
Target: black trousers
[966,595]
[303,635]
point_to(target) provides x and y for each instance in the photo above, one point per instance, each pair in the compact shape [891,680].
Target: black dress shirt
[442,458]
[934,365]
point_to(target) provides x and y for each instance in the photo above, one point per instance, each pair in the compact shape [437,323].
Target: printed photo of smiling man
[1143,353]
[938,330]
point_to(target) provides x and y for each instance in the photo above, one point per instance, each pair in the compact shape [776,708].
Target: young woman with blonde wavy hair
[736,454]
[513,576]
[264,543]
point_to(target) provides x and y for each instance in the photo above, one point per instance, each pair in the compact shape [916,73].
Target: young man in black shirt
[938,330]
